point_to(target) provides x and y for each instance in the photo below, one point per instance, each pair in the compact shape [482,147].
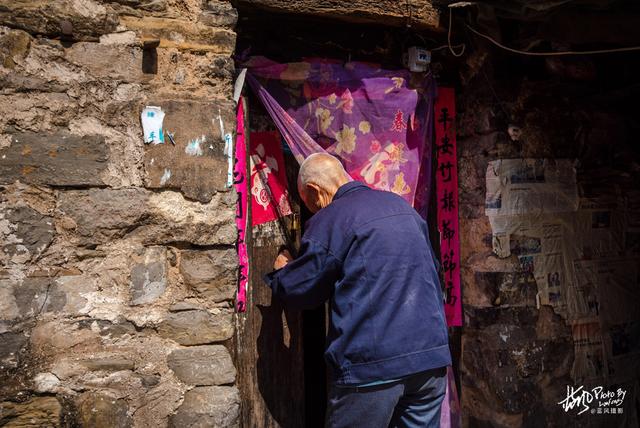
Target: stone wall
[416,13]
[517,355]
[117,266]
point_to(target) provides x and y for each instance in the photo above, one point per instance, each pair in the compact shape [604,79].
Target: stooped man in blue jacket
[368,252]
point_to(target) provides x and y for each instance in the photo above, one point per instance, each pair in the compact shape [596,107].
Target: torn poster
[269,196]
[531,186]
[152,118]
[539,243]
[240,183]
[589,362]
[447,197]
[531,204]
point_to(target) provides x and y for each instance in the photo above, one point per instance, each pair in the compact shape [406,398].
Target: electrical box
[417,59]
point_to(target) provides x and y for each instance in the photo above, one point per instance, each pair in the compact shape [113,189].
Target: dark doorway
[282,375]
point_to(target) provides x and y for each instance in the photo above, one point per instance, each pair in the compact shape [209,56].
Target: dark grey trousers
[412,402]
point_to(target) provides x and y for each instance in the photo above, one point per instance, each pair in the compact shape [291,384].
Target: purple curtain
[378,122]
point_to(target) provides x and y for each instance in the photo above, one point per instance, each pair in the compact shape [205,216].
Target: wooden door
[268,344]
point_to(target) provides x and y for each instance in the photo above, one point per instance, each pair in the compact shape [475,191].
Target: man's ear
[313,192]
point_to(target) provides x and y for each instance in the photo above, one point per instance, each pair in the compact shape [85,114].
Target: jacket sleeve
[308,280]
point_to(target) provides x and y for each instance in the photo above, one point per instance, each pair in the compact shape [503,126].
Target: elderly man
[368,252]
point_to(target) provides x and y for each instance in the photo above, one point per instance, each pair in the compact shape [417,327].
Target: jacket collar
[348,188]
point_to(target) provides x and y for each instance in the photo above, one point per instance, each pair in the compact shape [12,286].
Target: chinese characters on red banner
[447,192]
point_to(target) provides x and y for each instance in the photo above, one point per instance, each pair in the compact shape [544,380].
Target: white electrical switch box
[418,59]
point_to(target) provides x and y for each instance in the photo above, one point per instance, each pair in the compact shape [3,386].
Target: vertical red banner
[447,192]
[240,182]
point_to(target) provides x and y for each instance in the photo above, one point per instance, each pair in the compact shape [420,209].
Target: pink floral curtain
[378,122]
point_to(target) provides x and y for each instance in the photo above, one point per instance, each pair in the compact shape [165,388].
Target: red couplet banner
[447,191]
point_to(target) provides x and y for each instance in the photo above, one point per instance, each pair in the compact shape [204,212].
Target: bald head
[320,177]
[322,169]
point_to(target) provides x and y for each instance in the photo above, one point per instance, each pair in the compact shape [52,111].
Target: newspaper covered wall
[583,253]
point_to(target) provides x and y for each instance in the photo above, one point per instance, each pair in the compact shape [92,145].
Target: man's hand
[283,258]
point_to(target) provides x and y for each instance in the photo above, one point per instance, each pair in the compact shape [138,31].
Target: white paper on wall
[152,118]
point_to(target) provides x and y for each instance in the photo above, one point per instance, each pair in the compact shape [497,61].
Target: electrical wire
[439,48]
[449,37]
[409,14]
[520,52]
[561,53]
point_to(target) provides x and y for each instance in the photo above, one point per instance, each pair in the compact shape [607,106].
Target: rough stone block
[46,382]
[55,336]
[182,34]
[102,215]
[67,368]
[32,295]
[203,365]
[196,327]
[10,346]
[14,45]
[40,112]
[147,5]
[102,411]
[149,381]
[58,159]
[208,406]
[68,294]
[37,412]
[109,364]
[180,220]
[108,61]
[107,328]
[149,277]
[26,233]
[220,67]
[9,309]
[219,14]
[82,19]
[121,38]
[185,305]
[196,165]
[211,273]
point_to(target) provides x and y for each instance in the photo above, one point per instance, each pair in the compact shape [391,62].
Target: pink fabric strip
[240,183]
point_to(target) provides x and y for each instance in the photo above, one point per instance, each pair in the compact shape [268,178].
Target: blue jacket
[369,252]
